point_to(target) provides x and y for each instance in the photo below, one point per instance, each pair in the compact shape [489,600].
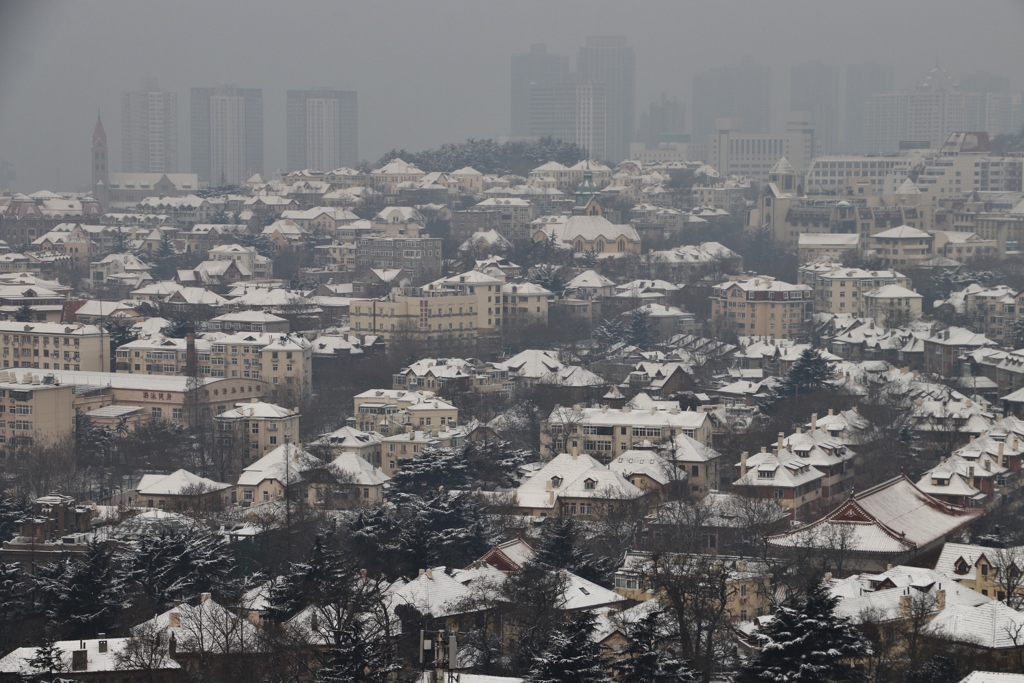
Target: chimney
[940,599]
[191,369]
[551,498]
[779,445]
[203,597]
[814,421]
[1002,458]
[905,605]
[422,572]
[970,476]
[743,464]
[174,620]
[547,485]
[799,430]
[575,452]
[830,411]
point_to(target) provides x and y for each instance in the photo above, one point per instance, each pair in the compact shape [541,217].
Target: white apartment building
[606,433]
[842,290]
[256,428]
[54,346]
[732,152]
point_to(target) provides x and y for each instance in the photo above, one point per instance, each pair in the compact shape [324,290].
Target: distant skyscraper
[862,82]
[609,60]
[814,87]
[100,159]
[927,113]
[988,103]
[538,71]
[664,119]
[733,91]
[323,129]
[227,134]
[149,130]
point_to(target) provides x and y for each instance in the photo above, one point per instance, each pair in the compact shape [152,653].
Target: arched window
[599,247]
[578,246]
[622,246]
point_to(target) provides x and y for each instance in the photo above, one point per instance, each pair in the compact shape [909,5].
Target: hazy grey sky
[430,72]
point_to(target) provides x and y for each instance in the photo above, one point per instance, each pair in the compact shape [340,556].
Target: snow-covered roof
[285,464]
[992,625]
[571,473]
[355,470]
[19,661]
[177,483]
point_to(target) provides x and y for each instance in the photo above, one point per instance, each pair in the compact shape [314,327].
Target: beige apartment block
[761,306]
[251,430]
[34,414]
[284,362]
[458,308]
[391,411]
[841,290]
[54,346]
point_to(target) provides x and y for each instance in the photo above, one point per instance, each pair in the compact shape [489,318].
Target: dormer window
[556,482]
[590,484]
[766,474]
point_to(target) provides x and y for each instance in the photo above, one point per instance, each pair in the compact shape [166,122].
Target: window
[157,412]
[590,484]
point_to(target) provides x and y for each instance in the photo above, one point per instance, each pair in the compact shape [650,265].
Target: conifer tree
[572,656]
[809,644]
[646,657]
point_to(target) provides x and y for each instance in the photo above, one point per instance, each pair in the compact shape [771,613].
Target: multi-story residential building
[323,129]
[944,351]
[35,413]
[227,134]
[55,346]
[862,82]
[251,430]
[791,481]
[149,130]
[285,362]
[419,257]
[735,91]
[459,308]
[401,445]
[388,177]
[841,290]
[393,411]
[606,432]
[248,321]
[513,217]
[730,195]
[903,246]
[257,266]
[831,173]
[453,376]
[993,311]
[162,356]
[762,306]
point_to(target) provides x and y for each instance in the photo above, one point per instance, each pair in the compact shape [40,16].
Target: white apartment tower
[149,130]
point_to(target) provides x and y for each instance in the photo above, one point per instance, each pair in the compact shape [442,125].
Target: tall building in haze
[149,130]
[227,134]
[610,61]
[664,119]
[734,91]
[862,82]
[989,105]
[322,129]
[539,72]
[926,114]
[814,87]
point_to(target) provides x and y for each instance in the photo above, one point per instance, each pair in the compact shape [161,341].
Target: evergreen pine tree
[13,605]
[357,657]
[572,656]
[639,331]
[47,661]
[809,373]
[84,595]
[24,314]
[938,669]
[432,469]
[646,659]
[560,546]
[178,564]
[809,643]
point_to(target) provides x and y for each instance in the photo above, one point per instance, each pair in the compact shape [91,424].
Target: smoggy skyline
[429,73]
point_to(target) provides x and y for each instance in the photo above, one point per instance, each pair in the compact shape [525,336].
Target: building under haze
[733,91]
[593,107]
[609,61]
[535,72]
[989,105]
[149,130]
[814,87]
[664,121]
[926,114]
[323,129]
[862,82]
[227,134]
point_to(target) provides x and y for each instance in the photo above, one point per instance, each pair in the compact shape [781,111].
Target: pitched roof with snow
[177,483]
